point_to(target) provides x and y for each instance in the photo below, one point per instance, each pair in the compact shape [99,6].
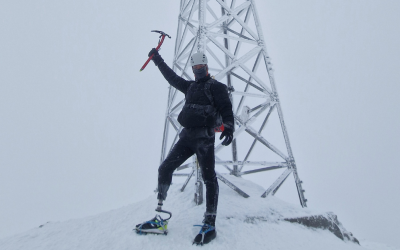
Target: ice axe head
[162,33]
[160,42]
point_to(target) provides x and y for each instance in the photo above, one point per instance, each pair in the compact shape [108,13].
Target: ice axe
[160,42]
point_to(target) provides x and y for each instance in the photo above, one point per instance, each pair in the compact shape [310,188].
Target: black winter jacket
[191,117]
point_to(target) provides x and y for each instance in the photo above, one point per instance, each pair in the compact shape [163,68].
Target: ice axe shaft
[160,42]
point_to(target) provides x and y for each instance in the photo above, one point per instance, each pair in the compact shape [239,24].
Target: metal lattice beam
[229,31]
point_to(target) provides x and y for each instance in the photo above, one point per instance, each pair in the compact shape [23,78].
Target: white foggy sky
[81,128]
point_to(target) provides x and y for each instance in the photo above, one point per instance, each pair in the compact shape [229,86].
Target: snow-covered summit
[252,223]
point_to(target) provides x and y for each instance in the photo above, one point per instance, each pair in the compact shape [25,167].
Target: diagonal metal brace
[231,185]
[277,184]
[187,181]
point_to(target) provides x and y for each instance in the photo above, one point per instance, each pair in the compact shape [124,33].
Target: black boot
[207,232]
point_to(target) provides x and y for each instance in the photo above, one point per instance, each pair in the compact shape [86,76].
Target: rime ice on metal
[229,32]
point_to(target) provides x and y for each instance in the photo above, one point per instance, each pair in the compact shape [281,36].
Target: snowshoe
[157,225]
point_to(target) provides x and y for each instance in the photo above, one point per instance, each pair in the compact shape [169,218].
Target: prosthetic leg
[157,225]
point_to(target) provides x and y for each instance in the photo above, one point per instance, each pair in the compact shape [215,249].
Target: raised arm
[169,75]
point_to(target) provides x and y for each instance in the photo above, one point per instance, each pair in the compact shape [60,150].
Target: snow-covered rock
[251,223]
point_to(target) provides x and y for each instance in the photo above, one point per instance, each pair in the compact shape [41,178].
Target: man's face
[200,71]
[199,66]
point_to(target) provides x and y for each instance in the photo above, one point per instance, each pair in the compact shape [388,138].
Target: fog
[81,127]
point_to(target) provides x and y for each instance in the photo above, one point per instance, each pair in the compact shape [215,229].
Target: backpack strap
[191,85]
[207,90]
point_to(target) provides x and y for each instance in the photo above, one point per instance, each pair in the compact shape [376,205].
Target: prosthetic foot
[157,225]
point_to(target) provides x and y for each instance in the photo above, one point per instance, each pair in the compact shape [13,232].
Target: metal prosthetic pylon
[229,32]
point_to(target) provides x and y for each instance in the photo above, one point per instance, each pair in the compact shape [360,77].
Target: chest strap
[207,108]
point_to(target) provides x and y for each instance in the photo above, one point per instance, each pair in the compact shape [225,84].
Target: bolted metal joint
[274,97]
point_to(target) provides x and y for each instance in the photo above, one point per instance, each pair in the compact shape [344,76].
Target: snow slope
[241,224]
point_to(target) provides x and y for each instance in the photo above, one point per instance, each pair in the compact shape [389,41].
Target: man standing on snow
[205,97]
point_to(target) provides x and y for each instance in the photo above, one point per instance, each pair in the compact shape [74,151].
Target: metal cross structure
[229,32]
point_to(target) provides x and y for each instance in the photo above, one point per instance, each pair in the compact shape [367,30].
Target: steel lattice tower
[229,32]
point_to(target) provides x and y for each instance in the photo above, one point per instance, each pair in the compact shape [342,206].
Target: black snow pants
[199,141]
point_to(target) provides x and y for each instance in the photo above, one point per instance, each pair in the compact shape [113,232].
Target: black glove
[157,59]
[154,51]
[228,134]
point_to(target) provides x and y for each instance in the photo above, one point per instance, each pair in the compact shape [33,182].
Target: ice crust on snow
[241,224]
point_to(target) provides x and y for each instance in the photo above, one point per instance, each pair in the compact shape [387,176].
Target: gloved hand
[153,51]
[228,134]
[157,59]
